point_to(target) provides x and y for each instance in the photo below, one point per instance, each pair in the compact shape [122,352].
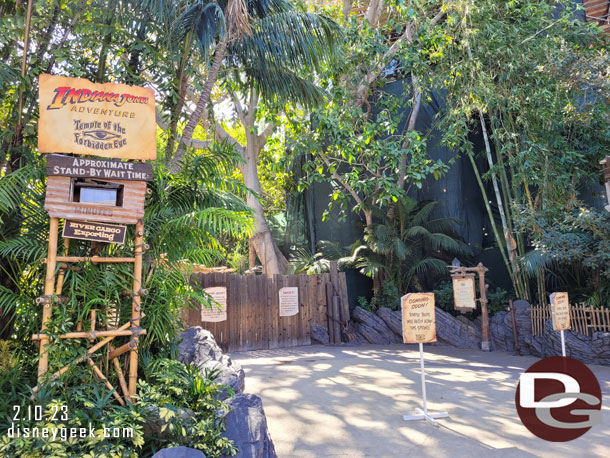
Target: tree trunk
[271,257]
[202,104]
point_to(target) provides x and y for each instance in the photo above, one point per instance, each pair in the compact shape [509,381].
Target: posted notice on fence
[418,318]
[289,301]
[463,292]
[561,311]
[216,313]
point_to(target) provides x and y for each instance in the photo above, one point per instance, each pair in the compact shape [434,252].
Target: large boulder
[372,328]
[392,319]
[501,330]
[246,426]
[593,349]
[319,335]
[198,348]
[179,452]
[456,331]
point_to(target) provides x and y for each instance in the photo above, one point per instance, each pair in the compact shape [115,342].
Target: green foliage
[409,248]
[387,296]
[497,299]
[171,389]
[189,406]
[572,248]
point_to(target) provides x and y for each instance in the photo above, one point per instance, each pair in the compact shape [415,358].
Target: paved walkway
[349,401]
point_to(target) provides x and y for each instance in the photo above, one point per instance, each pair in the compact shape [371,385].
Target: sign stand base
[423,414]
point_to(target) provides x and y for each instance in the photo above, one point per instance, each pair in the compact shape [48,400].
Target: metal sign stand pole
[423,414]
[563,344]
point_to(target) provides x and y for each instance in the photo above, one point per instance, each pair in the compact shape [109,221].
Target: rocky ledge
[246,424]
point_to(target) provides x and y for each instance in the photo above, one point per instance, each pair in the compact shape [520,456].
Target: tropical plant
[409,247]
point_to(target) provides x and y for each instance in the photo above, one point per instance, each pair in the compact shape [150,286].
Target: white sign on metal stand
[560,308]
[419,326]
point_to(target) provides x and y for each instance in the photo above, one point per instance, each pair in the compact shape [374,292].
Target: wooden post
[484,315]
[329,311]
[136,307]
[47,308]
[514,324]
[339,321]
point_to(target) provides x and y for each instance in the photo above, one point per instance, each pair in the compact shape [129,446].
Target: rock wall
[593,349]
[246,424]
[385,327]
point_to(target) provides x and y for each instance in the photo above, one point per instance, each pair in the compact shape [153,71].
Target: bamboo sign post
[419,326]
[87,193]
[560,311]
[463,293]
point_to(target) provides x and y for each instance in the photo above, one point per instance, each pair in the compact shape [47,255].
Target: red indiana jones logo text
[65,94]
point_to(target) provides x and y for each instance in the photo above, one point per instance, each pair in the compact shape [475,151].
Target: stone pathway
[324,401]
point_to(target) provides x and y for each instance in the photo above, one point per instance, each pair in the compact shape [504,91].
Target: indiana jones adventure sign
[109,120]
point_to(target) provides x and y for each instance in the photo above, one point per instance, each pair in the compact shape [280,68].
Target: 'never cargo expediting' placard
[561,311]
[109,120]
[98,232]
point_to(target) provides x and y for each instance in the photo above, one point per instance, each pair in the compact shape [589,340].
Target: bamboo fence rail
[584,320]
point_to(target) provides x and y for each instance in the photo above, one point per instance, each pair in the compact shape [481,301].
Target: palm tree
[408,244]
[265,40]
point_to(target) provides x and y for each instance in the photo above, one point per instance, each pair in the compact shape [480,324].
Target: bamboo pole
[62,270]
[47,308]
[93,259]
[93,312]
[92,335]
[136,309]
[103,378]
[92,350]
[116,352]
[119,373]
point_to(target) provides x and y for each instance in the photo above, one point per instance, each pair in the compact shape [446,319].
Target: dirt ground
[325,401]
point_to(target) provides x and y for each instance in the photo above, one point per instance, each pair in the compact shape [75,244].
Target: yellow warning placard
[418,318]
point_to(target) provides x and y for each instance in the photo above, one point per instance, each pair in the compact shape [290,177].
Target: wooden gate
[253,311]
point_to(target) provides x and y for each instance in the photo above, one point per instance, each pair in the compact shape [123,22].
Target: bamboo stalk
[93,312]
[116,352]
[93,259]
[103,378]
[92,335]
[119,373]
[136,307]
[49,285]
[92,350]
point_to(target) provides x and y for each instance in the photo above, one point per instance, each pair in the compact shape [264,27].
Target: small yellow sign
[561,311]
[418,318]
[464,292]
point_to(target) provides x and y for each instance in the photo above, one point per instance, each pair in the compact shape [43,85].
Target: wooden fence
[583,319]
[253,311]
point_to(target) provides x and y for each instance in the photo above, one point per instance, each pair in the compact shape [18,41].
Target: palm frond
[277,84]
[289,40]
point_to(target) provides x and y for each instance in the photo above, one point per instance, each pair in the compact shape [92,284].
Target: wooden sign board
[109,120]
[105,169]
[561,311]
[464,292]
[418,318]
[98,232]
[289,301]
[216,313]
[109,201]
